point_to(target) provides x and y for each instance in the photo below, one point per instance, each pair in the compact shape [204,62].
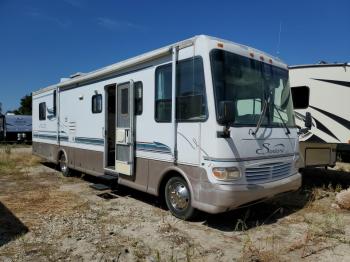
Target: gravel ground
[47,217]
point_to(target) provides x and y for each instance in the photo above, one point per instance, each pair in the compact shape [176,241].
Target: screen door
[124,162]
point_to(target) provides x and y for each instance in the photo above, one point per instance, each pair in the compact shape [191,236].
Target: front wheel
[63,165]
[178,198]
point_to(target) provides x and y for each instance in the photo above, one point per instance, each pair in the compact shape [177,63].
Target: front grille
[268,172]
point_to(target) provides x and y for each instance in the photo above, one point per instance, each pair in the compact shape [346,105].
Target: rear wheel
[63,164]
[178,198]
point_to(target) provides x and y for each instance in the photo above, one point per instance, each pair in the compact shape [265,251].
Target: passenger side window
[190,92]
[163,94]
[96,104]
[42,111]
[138,98]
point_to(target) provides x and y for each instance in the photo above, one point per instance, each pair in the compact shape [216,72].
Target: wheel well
[60,153]
[165,179]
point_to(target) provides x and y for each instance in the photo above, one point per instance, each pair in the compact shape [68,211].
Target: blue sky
[42,41]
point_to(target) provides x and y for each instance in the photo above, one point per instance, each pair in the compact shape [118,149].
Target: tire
[178,198]
[63,166]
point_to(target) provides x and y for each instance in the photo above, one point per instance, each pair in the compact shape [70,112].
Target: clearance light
[348,141]
[270,61]
[226,173]
[251,55]
[261,58]
[221,45]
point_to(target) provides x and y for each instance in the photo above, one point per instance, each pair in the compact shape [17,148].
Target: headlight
[226,173]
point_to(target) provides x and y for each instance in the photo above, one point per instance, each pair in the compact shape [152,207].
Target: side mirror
[226,112]
[308,120]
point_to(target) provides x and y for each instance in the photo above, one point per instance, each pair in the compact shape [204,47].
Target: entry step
[100,187]
[108,177]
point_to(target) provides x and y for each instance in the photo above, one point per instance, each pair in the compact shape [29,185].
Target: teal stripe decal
[89,140]
[154,147]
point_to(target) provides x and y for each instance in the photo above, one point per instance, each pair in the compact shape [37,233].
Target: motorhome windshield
[249,83]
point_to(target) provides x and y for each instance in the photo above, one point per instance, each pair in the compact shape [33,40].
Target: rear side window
[96,104]
[42,111]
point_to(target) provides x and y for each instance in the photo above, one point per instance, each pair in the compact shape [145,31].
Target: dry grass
[15,162]
[173,234]
[264,251]
[292,228]
[30,197]
[321,230]
[321,198]
[44,201]
[324,229]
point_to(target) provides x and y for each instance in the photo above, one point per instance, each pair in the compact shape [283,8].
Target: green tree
[26,106]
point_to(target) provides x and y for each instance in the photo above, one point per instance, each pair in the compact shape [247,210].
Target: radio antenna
[279,40]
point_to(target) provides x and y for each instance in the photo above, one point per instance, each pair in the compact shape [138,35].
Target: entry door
[124,163]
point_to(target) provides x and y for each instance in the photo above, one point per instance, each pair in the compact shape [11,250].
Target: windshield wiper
[284,123]
[263,112]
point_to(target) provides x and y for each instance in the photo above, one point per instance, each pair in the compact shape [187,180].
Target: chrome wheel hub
[63,164]
[179,196]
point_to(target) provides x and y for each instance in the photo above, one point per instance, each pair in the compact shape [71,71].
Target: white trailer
[329,105]
[223,138]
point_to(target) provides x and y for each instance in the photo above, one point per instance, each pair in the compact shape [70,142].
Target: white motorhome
[223,138]
[329,93]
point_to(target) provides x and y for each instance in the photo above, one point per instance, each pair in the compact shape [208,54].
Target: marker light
[221,45]
[251,55]
[261,58]
[270,61]
[226,173]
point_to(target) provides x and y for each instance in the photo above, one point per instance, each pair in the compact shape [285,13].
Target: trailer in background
[2,127]
[16,128]
[329,104]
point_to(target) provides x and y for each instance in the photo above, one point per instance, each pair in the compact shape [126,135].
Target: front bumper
[217,198]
